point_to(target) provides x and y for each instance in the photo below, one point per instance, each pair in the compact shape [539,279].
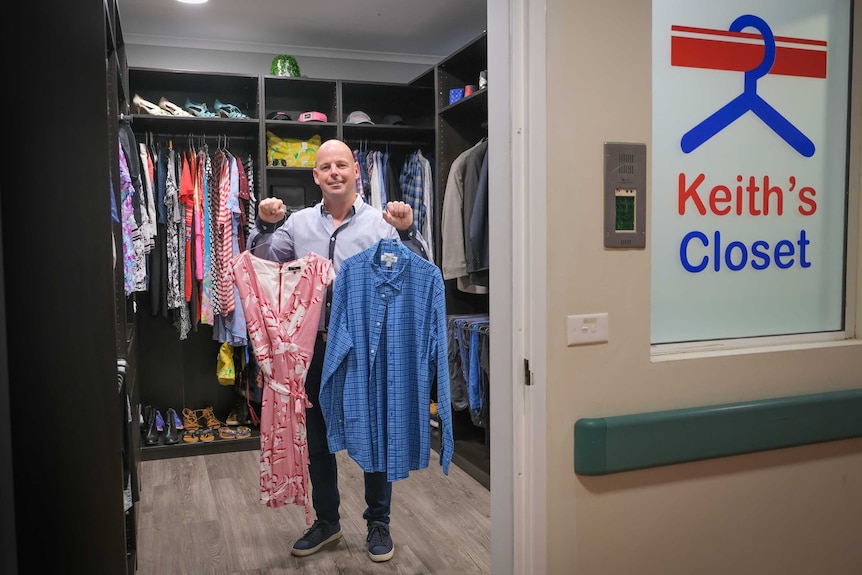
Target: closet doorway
[516,134]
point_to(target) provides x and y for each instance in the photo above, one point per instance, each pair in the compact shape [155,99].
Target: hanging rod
[176,135]
[413,143]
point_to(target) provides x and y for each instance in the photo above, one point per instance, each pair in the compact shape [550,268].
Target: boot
[152,432]
[147,415]
[172,435]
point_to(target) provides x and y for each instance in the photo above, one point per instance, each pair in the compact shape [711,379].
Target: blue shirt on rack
[387,345]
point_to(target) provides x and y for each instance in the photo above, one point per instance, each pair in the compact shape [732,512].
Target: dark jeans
[322,467]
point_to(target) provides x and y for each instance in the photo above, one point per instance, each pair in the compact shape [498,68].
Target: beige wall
[791,511]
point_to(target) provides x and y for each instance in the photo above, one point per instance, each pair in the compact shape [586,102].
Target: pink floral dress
[282,305]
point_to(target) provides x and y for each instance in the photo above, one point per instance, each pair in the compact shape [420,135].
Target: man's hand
[271,210]
[399,215]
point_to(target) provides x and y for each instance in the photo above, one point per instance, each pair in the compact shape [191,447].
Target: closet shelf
[182,125]
[151,452]
[476,104]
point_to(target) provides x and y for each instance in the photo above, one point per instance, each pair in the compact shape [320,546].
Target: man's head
[335,172]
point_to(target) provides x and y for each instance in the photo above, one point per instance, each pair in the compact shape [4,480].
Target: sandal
[199,110]
[190,420]
[226,433]
[172,108]
[229,111]
[243,432]
[190,436]
[148,107]
[213,422]
[206,435]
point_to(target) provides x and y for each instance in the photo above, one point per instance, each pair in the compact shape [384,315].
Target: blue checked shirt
[412,188]
[387,345]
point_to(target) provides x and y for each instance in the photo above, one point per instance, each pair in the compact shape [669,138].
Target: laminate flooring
[200,515]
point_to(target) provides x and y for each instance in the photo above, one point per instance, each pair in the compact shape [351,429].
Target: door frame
[517,139]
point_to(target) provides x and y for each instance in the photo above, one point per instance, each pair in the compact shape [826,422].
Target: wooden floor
[200,515]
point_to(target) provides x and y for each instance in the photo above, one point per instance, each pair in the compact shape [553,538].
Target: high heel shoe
[199,110]
[172,108]
[229,111]
[148,107]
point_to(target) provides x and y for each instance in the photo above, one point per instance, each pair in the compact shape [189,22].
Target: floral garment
[282,305]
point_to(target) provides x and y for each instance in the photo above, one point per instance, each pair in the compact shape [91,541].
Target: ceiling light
[193,1]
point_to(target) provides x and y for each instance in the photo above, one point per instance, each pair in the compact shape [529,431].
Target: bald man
[340,226]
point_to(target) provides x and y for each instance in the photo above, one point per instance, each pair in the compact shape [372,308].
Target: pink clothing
[224,225]
[282,305]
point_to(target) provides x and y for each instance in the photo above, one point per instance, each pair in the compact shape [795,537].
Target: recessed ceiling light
[193,1]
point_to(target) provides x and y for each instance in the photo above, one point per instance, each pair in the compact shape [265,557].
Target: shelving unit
[64,455]
[459,126]
[294,96]
[184,374]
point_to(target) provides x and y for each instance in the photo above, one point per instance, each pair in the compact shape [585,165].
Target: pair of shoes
[319,534]
[199,110]
[229,111]
[204,435]
[172,108]
[148,107]
[380,547]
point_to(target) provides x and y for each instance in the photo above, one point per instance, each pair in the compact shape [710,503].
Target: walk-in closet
[135,303]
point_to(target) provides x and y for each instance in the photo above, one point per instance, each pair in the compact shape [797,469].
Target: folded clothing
[291,152]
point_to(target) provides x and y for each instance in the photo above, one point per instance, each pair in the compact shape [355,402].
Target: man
[342,225]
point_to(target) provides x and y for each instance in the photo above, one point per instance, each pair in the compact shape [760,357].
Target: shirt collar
[355,207]
[384,274]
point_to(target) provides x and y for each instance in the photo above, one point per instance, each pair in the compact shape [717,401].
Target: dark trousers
[322,467]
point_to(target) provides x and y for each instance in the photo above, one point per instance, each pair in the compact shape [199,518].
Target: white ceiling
[420,31]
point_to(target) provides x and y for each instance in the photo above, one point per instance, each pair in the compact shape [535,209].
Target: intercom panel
[625,195]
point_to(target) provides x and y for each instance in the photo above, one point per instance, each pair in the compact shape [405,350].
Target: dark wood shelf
[185,126]
[217,445]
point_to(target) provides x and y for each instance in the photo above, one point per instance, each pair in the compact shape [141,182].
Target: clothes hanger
[750,101]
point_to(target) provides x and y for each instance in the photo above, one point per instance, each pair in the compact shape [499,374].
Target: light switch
[587,328]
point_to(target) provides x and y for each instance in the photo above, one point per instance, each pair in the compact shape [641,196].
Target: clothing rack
[389,143]
[178,135]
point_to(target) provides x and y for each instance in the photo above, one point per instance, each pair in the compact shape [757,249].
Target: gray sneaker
[380,547]
[319,534]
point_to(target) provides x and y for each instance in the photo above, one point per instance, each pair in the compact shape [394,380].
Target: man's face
[336,171]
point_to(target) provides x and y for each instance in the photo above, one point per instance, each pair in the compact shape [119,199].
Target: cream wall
[790,511]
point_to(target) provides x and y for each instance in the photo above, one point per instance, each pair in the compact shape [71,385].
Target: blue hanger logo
[809,61]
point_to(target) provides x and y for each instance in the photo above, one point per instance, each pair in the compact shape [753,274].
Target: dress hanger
[750,101]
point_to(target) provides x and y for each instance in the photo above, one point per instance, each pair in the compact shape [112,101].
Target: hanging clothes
[128,225]
[454,247]
[200,201]
[283,303]
[386,347]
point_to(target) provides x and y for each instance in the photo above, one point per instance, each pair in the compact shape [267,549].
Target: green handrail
[618,443]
